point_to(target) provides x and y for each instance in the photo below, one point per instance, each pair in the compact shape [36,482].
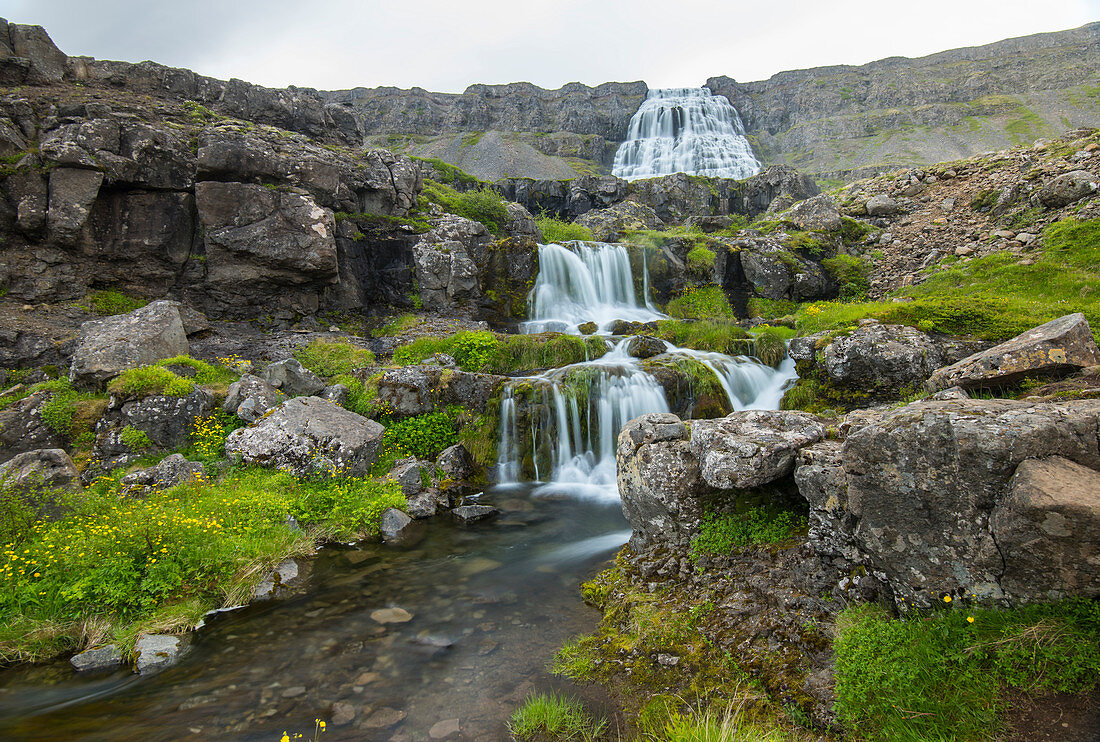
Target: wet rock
[397,528]
[292,378]
[1048,530]
[109,346]
[1061,345]
[467,514]
[342,713]
[47,468]
[610,224]
[286,574]
[444,729]
[169,472]
[752,448]
[409,474]
[307,435]
[644,346]
[100,658]
[250,398]
[391,615]
[1067,188]
[424,504]
[588,328]
[384,718]
[817,214]
[156,652]
[293,692]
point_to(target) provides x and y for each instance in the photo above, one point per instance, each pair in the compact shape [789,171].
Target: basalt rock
[816,214]
[610,224]
[169,472]
[414,390]
[167,421]
[290,377]
[109,346]
[1067,188]
[48,468]
[250,397]
[752,448]
[881,359]
[445,271]
[1059,346]
[22,428]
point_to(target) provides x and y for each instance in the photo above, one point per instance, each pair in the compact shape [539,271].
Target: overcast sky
[445,45]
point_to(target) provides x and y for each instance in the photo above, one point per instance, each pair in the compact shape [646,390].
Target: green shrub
[770,344]
[940,677]
[850,274]
[708,302]
[557,231]
[361,395]
[475,350]
[719,336]
[328,358]
[853,231]
[108,302]
[559,717]
[423,436]
[482,204]
[722,534]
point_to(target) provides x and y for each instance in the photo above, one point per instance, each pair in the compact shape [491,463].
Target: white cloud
[447,45]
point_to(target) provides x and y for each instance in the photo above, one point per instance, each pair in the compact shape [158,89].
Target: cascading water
[685,130]
[560,427]
[587,282]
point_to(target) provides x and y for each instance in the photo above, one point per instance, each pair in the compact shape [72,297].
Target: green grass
[553,717]
[481,204]
[707,302]
[447,173]
[329,358]
[850,274]
[123,563]
[700,261]
[557,231]
[940,677]
[719,336]
[994,298]
[109,301]
[398,325]
[159,378]
[770,343]
[722,534]
[423,436]
[474,351]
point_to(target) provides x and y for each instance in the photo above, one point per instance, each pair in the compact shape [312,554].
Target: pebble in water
[391,615]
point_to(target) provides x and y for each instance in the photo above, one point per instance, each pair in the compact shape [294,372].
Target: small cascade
[685,130]
[748,384]
[587,282]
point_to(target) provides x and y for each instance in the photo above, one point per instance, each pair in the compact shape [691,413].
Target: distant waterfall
[587,283]
[685,130]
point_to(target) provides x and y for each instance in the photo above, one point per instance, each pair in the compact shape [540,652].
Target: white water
[586,282]
[685,130]
[574,413]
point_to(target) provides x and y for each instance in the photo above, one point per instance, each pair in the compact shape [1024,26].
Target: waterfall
[586,282]
[685,130]
[560,427]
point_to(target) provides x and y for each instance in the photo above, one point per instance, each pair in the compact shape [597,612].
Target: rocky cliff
[898,111]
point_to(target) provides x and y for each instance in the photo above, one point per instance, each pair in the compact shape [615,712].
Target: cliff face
[897,111]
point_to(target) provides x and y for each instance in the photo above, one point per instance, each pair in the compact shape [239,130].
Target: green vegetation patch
[716,335]
[941,677]
[423,436]
[488,353]
[850,274]
[723,534]
[553,717]
[108,302]
[480,204]
[162,378]
[700,260]
[328,358]
[448,174]
[557,231]
[703,302]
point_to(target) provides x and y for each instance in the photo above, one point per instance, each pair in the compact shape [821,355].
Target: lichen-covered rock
[49,468]
[109,346]
[817,214]
[156,652]
[659,480]
[306,435]
[752,448]
[409,474]
[250,397]
[610,224]
[881,358]
[442,260]
[882,205]
[100,658]
[521,223]
[923,482]
[292,378]
[169,471]
[1047,529]
[23,429]
[167,422]
[1061,345]
[414,390]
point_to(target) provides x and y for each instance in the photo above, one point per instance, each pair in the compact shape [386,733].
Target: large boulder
[881,358]
[23,429]
[610,224]
[752,448]
[923,483]
[73,191]
[445,269]
[48,468]
[111,345]
[1047,529]
[659,480]
[307,435]
[167,421]
[414,390]
[1059,346]
[292,378]
[1067,188]
[817,214]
